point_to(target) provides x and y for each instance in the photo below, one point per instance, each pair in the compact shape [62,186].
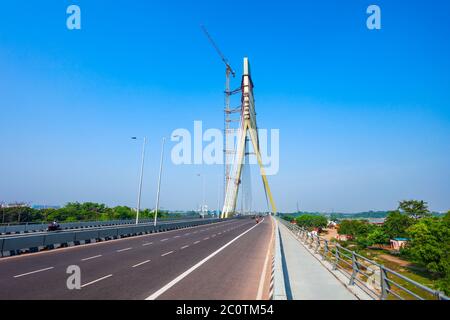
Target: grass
[411,271]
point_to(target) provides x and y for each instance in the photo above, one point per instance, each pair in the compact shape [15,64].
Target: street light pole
[203,191]
[159,180]
[218,195]
[140,180]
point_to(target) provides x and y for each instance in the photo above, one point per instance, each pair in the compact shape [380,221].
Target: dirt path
[400,262]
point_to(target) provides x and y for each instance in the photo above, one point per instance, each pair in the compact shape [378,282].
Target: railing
[373,278]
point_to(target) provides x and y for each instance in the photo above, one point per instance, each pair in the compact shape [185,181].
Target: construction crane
[228,137]
[213,43]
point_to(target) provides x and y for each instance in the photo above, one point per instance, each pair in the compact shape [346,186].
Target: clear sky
[364,116]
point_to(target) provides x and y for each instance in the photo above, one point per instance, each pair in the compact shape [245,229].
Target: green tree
[355,228]
[430,246]
[20,214]
[288,218]
[312,221]
[414,208]
[123,212]
[396,224]
[377,236]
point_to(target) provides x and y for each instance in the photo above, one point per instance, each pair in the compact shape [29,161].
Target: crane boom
[224,59]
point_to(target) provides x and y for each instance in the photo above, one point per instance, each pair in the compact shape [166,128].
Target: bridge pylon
[248,132]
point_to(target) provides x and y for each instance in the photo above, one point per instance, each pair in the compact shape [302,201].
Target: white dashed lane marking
[100,279]
[31,272]
[90,258]
[140,264]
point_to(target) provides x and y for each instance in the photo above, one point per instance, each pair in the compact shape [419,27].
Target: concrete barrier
[107,233]
[29,241]
[58,238]
[19,243]
[86,235]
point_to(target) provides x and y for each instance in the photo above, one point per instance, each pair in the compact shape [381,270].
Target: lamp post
[203,193]
[218,195]
[140,178]
[159,179]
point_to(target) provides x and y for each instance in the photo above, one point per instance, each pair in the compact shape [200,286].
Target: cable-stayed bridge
[232,257]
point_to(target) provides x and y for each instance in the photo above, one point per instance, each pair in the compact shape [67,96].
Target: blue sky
[364,116]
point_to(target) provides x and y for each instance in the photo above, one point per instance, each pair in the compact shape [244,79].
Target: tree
[414,208]
[430,245]
[355,228]
[312,221]
[123,212]
[377,236]
[288,218]
[20,214]
[396,224]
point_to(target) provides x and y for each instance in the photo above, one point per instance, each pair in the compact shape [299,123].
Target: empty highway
[217,261]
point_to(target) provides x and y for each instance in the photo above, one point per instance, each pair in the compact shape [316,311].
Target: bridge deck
[307,278]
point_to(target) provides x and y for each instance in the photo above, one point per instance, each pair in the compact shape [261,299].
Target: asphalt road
[218,261]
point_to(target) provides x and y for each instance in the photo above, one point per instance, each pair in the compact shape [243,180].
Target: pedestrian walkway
[305,277]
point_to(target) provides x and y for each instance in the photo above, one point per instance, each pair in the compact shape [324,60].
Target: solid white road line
[262,280]
[193,268]
[90,258]
[165,254]
[126,249]
[36,271]
[102,278]
[147,243]
[183,247]
[140,264]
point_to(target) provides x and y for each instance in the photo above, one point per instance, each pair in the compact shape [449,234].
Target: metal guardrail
[33,242]
[37,227]
[374,278]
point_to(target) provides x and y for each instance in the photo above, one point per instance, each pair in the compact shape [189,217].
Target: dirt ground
[329,234]
[398,261]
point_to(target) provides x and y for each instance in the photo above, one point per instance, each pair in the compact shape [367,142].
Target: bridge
[231,257]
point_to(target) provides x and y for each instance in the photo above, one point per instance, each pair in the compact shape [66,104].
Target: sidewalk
[305,277]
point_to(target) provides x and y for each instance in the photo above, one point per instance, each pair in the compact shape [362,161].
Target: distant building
[398,243]
[332,224]
[377,221]
[16,205]
[44,206]
[344,237]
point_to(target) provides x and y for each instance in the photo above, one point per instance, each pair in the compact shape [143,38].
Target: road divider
[35,242]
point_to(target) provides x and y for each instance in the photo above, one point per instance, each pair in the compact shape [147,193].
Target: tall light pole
[203,192]
[159,179]
[218,195]
[140,179]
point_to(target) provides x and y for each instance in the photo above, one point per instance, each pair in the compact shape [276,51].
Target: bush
[312,221]
[355,228]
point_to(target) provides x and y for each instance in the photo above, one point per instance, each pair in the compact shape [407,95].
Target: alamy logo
[191,149]
[73,21]
[374,20]
[74,280]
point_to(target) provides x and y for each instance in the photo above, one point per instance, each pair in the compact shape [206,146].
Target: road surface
[219,261]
